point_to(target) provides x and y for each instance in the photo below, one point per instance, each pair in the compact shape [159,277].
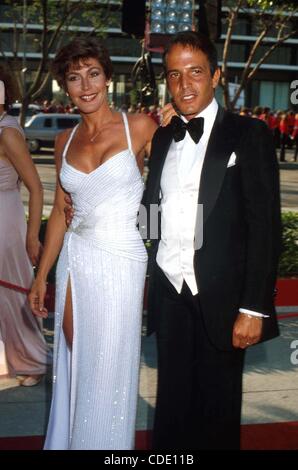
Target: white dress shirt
[180,182]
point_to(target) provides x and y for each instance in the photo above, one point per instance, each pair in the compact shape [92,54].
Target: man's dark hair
[7,79]
[77,50]
[193,40]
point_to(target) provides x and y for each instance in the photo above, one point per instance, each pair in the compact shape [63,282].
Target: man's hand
[247,330]
[167,112]
[68,210]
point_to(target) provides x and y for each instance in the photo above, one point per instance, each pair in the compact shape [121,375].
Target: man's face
[189,79]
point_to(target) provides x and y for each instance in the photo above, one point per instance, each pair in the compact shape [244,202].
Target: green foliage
[59,21]
[267,4]
[269,19]
[52,14]
[134,96]
[288,265]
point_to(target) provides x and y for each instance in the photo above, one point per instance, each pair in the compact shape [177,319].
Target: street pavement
[270,387]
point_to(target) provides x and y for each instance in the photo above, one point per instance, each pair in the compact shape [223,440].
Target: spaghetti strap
[125,120]
[69,140]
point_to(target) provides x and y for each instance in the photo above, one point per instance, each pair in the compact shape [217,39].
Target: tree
[58,22]
[273,19]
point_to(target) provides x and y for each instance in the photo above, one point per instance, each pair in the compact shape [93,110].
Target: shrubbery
[288,265]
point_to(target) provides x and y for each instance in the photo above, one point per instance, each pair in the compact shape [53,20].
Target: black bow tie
[195,127]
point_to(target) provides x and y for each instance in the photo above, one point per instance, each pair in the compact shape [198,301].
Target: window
[241,27]
[37,123]
[66,123]
[281,55]
[274,94]
[48,122]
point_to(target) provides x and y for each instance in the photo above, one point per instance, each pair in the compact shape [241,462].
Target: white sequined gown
[96,386]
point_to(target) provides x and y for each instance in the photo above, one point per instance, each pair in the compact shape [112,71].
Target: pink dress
[25,348]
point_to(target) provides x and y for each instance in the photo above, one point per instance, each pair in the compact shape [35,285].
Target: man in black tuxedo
[208,301]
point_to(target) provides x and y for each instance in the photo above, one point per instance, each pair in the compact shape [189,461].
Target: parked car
[42,129]
[31,111]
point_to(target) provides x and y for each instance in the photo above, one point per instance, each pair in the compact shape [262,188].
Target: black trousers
[199,387]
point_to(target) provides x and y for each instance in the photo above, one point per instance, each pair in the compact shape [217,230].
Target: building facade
[270,86]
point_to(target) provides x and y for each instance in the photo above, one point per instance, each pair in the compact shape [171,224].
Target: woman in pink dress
[25,348]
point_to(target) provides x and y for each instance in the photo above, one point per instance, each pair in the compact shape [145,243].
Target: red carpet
[287,292]
[271,436]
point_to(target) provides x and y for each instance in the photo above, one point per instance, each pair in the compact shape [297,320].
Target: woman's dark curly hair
[75,51]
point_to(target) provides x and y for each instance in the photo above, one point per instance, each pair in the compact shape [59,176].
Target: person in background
[294,136]
[26,351]
[132,109]
[257,112]
[153,113]
[244,111]
[291,125]
[284,136]
[264,116]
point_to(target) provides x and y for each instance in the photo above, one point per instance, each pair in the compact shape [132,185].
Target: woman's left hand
[167,112]
[34,250]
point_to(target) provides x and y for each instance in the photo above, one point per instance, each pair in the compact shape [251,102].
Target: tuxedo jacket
[236,265]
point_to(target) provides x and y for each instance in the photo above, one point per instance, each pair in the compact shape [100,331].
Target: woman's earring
[67,94]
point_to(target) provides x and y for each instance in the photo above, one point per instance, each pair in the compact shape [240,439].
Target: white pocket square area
[232,160]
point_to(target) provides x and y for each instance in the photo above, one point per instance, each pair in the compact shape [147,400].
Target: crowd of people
[282,124]
[55,106]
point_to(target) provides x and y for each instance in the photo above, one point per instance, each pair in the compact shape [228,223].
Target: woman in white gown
[102,265]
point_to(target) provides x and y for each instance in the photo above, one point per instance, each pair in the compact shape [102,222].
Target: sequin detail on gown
[96,386]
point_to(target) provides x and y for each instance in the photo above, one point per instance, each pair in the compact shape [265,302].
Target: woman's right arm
[56,228]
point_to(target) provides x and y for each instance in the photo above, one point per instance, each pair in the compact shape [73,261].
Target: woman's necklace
[2,115]
[95,135]
[92,139]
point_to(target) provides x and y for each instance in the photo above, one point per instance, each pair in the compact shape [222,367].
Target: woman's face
[87,84]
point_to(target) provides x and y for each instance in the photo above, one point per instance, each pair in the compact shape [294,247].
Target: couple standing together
[206,305]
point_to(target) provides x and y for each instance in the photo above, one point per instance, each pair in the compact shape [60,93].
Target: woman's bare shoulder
[61,140]
[11,132]
[142,123]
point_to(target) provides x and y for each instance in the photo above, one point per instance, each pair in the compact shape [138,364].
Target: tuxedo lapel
[221,145]
[160,146]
